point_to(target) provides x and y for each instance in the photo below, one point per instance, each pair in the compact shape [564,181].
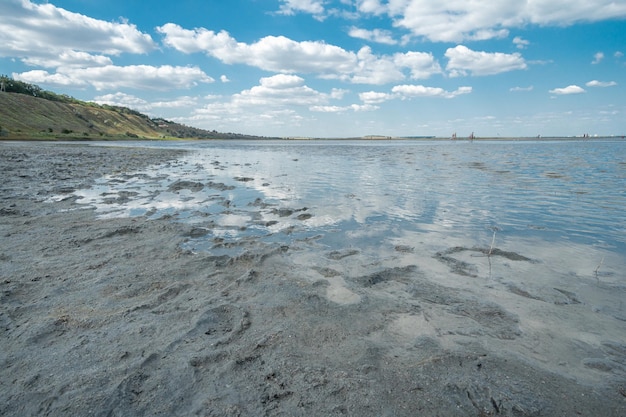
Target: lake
[531,231]
[372,193]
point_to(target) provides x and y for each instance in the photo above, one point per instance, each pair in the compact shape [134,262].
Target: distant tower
[2,86]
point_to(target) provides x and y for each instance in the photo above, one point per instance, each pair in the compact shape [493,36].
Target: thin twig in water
[597,268]
[493,240]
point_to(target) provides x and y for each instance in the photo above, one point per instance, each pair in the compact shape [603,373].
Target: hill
[28,112]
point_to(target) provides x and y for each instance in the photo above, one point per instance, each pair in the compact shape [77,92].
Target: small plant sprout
[597,269]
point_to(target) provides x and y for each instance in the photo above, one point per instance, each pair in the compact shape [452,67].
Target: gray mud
[110,317]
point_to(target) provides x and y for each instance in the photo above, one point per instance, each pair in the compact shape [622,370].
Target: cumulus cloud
[570,89]
[421,64]
[39,31]
[271,53]
[462,60]
[410,91]
[375,35]
[139,104]
[275,101]
[342,109]
[291,7]
[446,21]
[371,69]
[68,58]
[44,77]
[281,54]
[374,97]
[518,89]
[596,83]
[328,109]
[520,43]
[280,89]
[123,100]
[109,77]
[597,58]
[374,7]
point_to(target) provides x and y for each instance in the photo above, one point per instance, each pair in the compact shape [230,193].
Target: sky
[333,68]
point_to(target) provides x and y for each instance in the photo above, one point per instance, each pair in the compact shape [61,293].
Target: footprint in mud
[473,317]
[390,274]
[613,361]
[548,295]
[491,318]
[220,324]
[146,388]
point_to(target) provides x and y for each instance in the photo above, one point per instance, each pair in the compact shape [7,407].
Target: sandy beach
[114,317]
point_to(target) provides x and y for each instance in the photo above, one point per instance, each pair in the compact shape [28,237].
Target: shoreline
[112,317]
[546,139]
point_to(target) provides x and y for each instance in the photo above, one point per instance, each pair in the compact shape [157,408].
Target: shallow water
[565,192]
[536,227]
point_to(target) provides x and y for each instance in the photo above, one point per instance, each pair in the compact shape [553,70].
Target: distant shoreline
[356,138]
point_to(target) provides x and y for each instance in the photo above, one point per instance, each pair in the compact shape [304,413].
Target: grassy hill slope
[23,116]
[28,112]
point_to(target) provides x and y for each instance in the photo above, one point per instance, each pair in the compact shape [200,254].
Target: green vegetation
[29,112]
[20,87]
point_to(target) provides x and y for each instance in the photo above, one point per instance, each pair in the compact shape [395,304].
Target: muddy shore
[111,317]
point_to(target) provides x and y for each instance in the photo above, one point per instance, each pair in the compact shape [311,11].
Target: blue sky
[334,68]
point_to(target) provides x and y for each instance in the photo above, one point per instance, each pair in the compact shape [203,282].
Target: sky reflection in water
[367,193]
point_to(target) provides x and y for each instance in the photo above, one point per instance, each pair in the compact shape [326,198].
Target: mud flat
[117,317]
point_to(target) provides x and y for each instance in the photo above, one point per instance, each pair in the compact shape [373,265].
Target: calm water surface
[358,193]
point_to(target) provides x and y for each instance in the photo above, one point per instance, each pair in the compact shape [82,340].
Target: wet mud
[117,317]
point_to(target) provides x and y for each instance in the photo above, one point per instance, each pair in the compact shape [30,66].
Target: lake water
[371,193]
[538,227]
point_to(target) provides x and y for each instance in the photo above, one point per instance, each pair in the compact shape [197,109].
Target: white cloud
[68,58]
[409,91]
[281,54]
[520,43]
[224,79]
[596,83]
[110,77]
[363,107]
[571,89]
[271,53]
[280,90]
[124,100]
[456,21]
[371,6]
[291,7]
[421,64]
[342,109]
[40,31]
[371,69]
[375,35]
[518,89]
[373,97]
[44,77]
[338,93]
[462,60]
[328,109]
[618,54]
[180,103]
[597,58]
